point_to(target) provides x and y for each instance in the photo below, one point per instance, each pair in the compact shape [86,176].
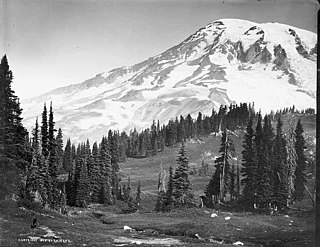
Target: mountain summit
[227,61]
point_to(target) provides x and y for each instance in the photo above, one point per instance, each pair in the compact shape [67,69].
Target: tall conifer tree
[223,164]
[105,164]
[300,146]
[12,132]
[250,167]
[280,184]
[44,133]
[182,189]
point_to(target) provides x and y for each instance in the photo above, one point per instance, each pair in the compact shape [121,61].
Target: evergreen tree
[67,157]
[12,132]
[35,179]
[154,138]
[106,196]
[189,127]
[45,167]
[214,121]
[36,137]
[268,134]
[280,188]
[199,124]
[182,191]
[171,133]
[213,189]
[222,164]
[95,177]
[52,159]
[113,141]
[88,157]
[105,164]
[263,143]
[34,182]
[264,185]
[44,133]
[181,133]
[59,151]
[249,167]
[300,146]
[82,189]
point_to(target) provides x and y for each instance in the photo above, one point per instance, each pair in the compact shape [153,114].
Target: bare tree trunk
[223,170]
[238,180]
[311,196]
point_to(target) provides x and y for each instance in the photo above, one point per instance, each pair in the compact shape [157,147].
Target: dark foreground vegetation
[234,176]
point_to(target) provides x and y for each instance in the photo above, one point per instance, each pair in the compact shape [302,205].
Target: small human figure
[34,222]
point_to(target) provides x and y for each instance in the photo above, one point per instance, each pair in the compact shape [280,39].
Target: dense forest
[58,176]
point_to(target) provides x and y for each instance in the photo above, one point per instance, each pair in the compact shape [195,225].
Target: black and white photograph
[158,123]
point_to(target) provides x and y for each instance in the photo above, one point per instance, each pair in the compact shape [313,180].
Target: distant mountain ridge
[227,61]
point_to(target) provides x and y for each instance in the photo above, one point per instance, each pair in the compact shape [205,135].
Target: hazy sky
[52,43]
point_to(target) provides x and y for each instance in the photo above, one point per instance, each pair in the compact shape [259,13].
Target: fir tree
[300,146]
[59,151]
[67,157]
[154,138]
[44,133]
[280,189]
[36,138]
[12,132]
[181,133]
[268,134]
[265,175]
[105,164]
[249,167]
[106,196]
[213,189]
[171,133]
[95,177]
[264,185]
[189,127]
[222,164]
[52,159]
[82,189]
[34,182]
[199,124]
[182,191]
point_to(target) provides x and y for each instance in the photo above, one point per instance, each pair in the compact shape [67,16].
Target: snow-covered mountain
[229,60]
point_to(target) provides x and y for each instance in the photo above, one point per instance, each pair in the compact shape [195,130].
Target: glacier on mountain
[227,61]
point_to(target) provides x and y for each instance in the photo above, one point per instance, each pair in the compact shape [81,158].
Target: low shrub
[35,206]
